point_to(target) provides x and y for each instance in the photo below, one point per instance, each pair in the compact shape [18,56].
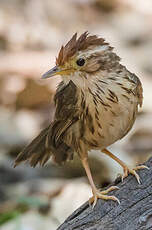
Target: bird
[96,104]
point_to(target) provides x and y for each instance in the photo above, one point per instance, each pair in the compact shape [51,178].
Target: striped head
[84,57]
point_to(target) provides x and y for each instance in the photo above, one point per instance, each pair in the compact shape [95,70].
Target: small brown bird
[96,105]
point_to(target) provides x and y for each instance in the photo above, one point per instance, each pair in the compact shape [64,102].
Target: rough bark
[133,213]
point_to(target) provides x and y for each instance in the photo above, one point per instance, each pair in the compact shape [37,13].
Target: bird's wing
[66,115]
[140,93]
[138,90]
[51,140]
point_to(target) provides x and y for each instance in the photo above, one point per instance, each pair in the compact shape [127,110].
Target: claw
[133,172]
[102,195]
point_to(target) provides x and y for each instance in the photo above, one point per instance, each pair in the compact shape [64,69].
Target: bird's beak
[52,72]
[56,71]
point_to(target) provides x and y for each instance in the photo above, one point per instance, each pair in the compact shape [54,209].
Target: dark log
[133,213]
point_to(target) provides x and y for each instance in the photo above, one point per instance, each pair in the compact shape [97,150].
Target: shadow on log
[133,213]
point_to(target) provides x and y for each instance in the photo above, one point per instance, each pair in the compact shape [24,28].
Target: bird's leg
[126,169]
[96,193]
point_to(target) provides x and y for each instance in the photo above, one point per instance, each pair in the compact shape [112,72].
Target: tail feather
[43,147]
[36,152]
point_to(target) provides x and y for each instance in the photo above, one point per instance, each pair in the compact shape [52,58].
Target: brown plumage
[96,105]
[75,45]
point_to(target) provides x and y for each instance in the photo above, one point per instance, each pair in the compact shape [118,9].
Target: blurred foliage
[5,217]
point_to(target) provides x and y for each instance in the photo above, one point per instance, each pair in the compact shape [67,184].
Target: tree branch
[133,213]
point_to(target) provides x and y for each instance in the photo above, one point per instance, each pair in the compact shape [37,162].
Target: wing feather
[51,140]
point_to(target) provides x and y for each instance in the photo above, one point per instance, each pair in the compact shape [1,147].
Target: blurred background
[31,34]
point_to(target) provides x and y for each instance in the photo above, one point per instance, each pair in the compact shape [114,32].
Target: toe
[141,167]
[93,200]
[133,172]
[109,189]
[100,195]
[137,177]
[105,197]
[115,199]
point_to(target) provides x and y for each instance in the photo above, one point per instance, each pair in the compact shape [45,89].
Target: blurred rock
[17,128]
[100,170]
[73,195]
[32,221]
[34,95]
[3,42]
[10,85]
[107,6]
[26,64]
[142,7]
[49,25]
[139,144]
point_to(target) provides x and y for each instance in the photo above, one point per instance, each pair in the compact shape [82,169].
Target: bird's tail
[37,151]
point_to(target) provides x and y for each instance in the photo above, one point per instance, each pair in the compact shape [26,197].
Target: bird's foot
[133,172]
[102,195]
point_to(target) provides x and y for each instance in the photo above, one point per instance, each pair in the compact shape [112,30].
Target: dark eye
[80,62]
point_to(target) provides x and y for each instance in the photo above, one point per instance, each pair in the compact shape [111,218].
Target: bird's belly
[116,129]
[111,126]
